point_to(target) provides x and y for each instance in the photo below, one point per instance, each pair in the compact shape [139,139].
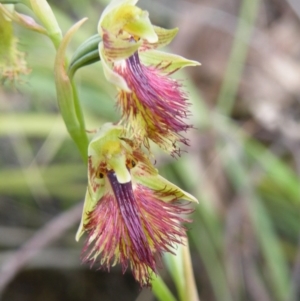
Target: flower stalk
[131,216]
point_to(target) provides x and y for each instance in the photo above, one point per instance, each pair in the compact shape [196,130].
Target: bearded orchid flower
[12,61]
[131,213]
[153,104]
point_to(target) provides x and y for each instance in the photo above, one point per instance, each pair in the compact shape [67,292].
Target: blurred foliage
[244,159]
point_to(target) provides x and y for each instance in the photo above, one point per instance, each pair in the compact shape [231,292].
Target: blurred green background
[243,163]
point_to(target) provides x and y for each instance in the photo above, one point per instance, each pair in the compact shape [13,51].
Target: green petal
[165,36]
[129,19]
[88,206]
[115,4]
[158,183]
[166,62]
[142,28]
[110,75]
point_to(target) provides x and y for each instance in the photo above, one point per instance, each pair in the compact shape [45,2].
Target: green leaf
[67,96]
[160,290]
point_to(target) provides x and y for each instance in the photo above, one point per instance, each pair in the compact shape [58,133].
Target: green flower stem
[235,66]
[66,90]
[160,290]
[67,96]
[174,264]
[69,114]
[180,268]
[191,293]
[43,11]
[78,111]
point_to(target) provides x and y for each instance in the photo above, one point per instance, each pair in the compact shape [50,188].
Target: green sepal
[141,27]
[165,36]
[165,62]
[89,204]
[110,75]
[87,53]
[160,184]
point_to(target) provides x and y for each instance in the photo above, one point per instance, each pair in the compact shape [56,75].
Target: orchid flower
[153,104]
[12,61]
[131,214]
